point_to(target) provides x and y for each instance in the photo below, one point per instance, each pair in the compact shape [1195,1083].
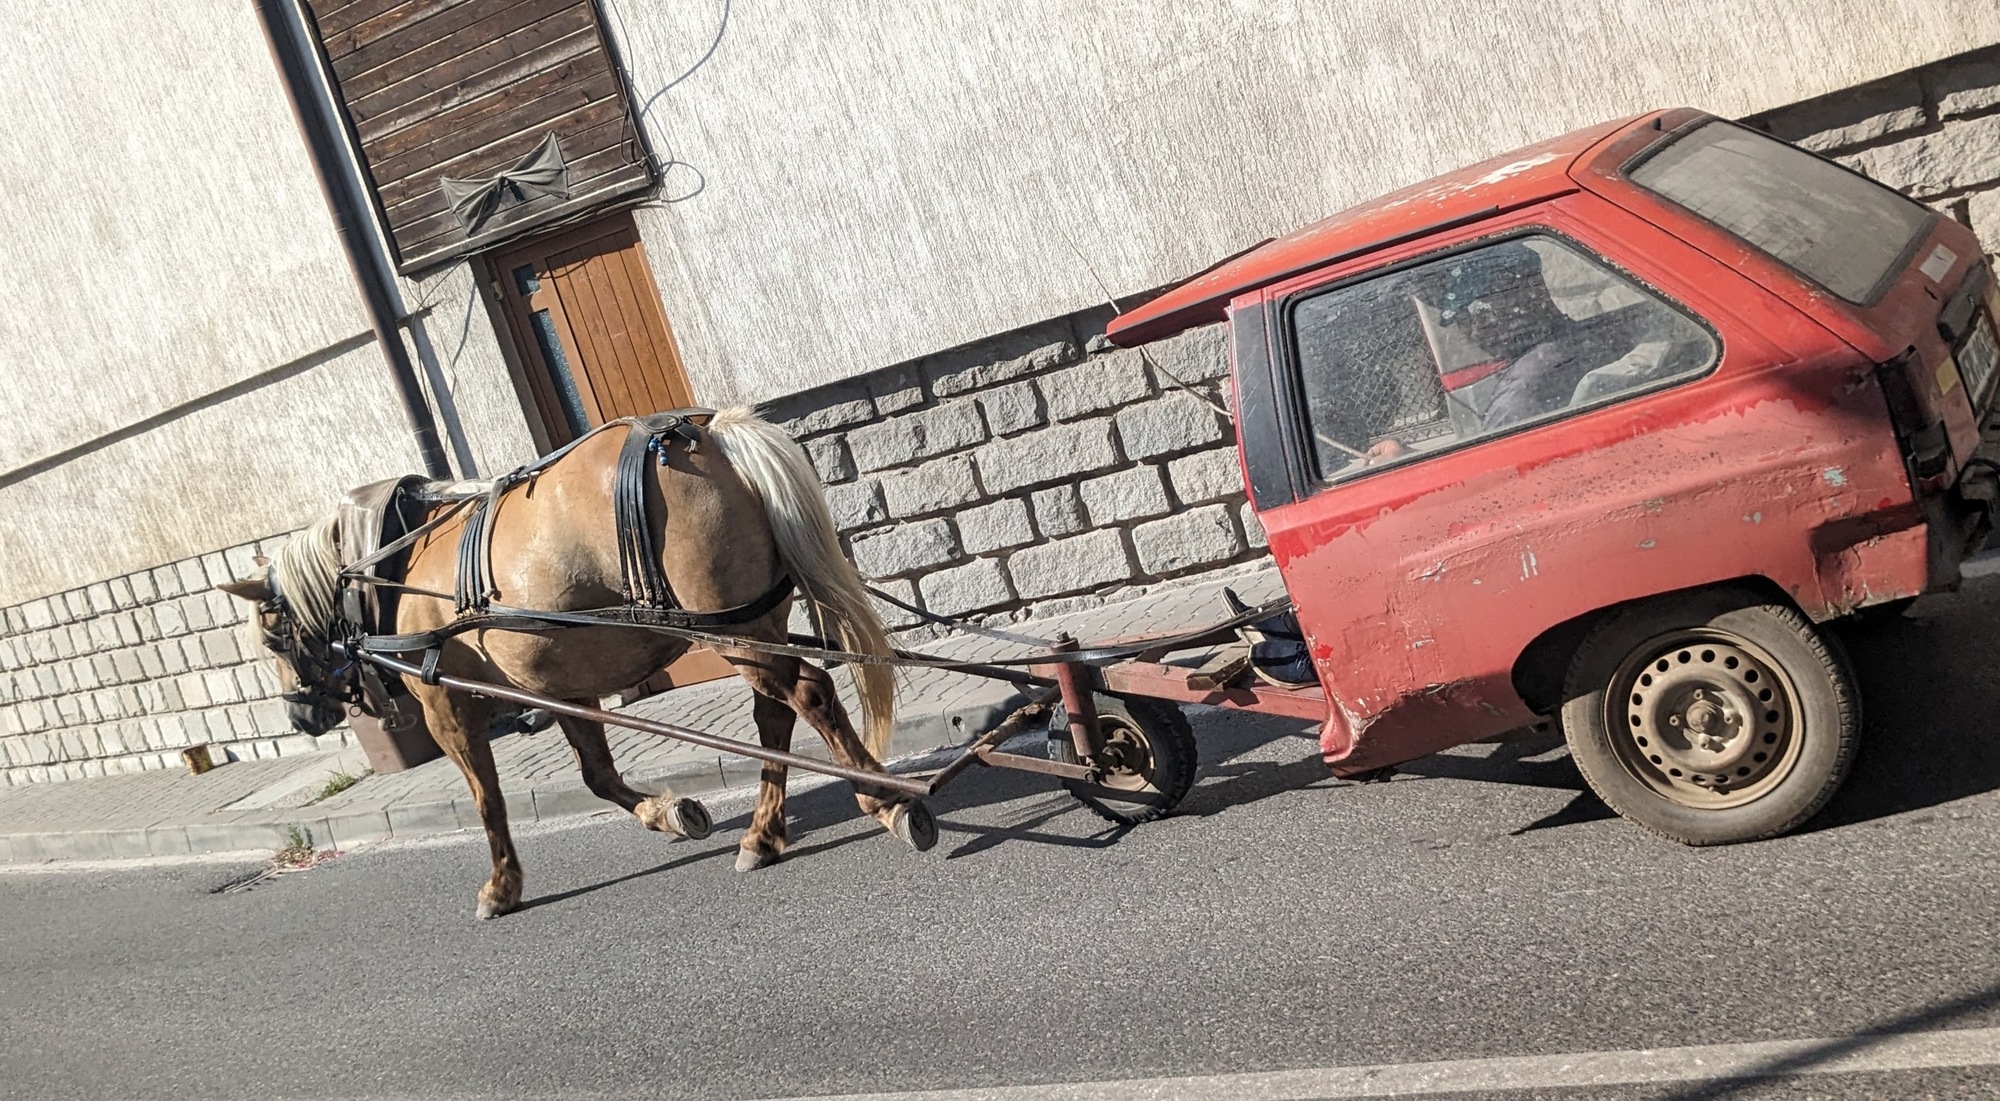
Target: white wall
[162,230]
[185,357]
[886,180]
[186,360]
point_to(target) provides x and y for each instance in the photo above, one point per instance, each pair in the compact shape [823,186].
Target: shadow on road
[1930,683]
[1035,809]
[575,892]
[1538,760]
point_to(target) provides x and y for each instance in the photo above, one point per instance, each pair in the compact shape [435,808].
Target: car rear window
[1839,229]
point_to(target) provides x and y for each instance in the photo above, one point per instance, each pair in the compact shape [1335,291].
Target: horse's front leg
[663,812]
[459,724]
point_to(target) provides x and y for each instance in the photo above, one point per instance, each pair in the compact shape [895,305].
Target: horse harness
[378,526]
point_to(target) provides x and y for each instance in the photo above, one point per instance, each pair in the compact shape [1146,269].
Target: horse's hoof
[749,860]
[490,909]
[496,899]
[689,818]
[913,823]
[682,817]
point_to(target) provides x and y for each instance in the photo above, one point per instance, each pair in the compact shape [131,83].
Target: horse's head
[310,675]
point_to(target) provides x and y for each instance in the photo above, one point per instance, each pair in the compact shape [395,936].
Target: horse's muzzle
[314,718]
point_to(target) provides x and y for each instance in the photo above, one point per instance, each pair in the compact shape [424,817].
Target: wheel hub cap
[1704,719]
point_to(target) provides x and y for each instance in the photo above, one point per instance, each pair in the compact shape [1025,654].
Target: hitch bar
[981,751]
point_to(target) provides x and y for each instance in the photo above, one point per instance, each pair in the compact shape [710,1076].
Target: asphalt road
[1480,908]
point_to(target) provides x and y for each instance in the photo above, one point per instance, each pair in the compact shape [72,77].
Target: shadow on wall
[670,188]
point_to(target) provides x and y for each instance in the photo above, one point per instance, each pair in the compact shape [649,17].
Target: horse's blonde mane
[306,571]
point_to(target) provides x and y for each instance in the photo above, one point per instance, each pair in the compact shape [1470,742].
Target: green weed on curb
[341,781]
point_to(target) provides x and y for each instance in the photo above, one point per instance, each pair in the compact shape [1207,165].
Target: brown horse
[731,514]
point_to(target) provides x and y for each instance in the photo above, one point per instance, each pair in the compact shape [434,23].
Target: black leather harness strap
[640,580]
[468,589]
[499,617]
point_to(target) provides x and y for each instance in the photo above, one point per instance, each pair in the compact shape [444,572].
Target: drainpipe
[351,215]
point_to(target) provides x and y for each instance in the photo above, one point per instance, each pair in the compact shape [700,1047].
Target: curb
[929,725]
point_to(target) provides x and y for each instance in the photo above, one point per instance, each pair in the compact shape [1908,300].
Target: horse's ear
[261,562]
[256,588]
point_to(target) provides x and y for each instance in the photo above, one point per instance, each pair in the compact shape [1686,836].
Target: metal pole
[349,207]
[1013,725]
[1079,704]
[881,780]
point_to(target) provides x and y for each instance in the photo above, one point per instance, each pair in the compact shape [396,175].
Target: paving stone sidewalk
[253,805]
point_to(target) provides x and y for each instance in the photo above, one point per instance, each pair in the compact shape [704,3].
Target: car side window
[1444,353]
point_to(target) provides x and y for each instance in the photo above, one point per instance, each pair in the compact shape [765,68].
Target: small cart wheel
[1711,717]
[1150,752]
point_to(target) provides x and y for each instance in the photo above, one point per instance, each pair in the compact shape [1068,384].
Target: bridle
[320,680]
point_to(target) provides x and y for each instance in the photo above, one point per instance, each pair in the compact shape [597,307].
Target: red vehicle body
[1822,455]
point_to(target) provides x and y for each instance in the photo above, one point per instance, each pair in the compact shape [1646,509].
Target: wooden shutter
[468,88]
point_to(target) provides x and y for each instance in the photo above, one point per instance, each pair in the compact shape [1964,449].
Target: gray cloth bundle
[539,173]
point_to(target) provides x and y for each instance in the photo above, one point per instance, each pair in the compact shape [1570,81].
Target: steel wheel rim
[1704,718]
[1128,757]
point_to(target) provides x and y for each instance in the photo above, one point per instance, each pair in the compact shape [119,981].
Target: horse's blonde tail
[777,470]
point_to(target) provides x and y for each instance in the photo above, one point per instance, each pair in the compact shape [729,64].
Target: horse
[731,513]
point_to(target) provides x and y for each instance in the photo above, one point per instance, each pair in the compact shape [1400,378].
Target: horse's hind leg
[459,725]
[809,691]
[764,842]
[663,812]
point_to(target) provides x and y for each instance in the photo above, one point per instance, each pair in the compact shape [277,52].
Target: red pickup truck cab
[1604,431]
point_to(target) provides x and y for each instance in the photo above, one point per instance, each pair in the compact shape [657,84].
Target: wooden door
[594,346]
[585,316]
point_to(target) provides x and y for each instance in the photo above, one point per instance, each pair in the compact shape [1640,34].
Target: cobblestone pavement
[253,805]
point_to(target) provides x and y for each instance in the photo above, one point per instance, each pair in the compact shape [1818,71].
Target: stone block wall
[122,675]
[1932,133]
[1039,466]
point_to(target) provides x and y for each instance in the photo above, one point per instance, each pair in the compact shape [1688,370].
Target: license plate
[1978,358]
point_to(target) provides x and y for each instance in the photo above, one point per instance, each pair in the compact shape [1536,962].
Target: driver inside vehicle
[1501,299]
[1509,349]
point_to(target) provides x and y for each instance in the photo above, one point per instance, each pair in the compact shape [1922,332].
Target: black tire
[1156,735]
[1712,717]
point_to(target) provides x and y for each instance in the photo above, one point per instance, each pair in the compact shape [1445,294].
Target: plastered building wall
[857,184]
[186,360]
[1025,465]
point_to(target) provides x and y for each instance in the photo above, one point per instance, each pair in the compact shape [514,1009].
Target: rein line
[502,618]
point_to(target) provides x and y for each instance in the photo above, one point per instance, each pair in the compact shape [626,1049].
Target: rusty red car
[1603,433]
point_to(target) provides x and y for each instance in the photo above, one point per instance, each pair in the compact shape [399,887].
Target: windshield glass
[1841,230]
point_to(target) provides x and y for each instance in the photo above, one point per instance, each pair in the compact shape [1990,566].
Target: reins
[501,618]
